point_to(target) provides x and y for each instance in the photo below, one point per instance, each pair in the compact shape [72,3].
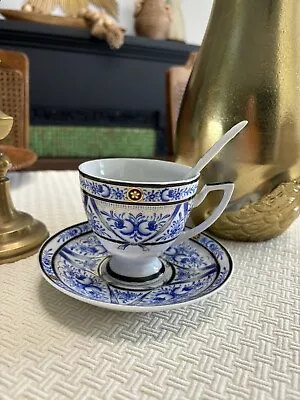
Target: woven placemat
[241,343]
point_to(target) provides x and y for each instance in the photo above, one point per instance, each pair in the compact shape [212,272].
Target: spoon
[214,150]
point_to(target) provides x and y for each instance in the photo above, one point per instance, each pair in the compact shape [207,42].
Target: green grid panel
[75,141]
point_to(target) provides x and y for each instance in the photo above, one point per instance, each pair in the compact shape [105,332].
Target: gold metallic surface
[20,234]
[248,68]
[264,219]
[6,123]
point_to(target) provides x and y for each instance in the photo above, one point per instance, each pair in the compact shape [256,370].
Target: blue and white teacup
[138,208]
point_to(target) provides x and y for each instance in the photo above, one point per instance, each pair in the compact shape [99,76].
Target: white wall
[196,14]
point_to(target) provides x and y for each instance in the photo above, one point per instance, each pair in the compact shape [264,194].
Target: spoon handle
[209,155]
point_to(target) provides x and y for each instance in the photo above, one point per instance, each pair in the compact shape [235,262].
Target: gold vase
[248,68]
[20,234]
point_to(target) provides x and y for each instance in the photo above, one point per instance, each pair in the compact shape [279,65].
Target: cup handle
[228,190]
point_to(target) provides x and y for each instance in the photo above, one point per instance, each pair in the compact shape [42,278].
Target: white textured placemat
[241,343]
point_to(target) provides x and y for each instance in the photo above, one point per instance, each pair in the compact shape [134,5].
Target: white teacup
[138,208]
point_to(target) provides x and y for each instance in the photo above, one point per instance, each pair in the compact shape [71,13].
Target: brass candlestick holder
[20,234]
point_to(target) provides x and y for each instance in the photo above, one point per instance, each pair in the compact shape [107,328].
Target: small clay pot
[153,20]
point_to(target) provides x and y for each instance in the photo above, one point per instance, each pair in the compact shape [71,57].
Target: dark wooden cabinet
[78,80]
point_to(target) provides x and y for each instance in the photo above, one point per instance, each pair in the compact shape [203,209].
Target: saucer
[75,262]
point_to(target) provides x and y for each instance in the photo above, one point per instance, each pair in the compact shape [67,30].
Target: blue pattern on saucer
[70,261]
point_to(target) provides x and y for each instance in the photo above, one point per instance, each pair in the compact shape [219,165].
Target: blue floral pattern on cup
[135,227]
[70,261]
[110,192]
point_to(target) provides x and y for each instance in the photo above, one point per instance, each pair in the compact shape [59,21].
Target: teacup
[138,208]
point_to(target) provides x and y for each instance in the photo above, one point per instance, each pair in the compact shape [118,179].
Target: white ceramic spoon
[214,150]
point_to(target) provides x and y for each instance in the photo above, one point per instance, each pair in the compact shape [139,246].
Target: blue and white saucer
[71,261]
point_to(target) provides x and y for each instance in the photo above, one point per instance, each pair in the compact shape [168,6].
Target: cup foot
[137,269]
[160,277]
[135,279]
